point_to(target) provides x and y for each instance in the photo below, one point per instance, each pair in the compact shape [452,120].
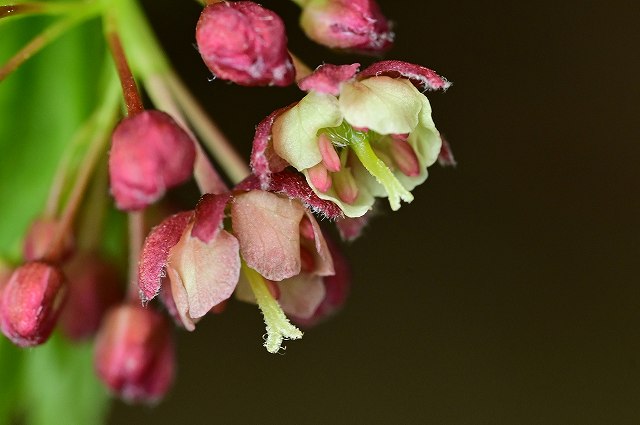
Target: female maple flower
[356,136]
[273,237]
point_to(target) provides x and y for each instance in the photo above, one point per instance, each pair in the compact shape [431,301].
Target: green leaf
[60,385]
[42,105]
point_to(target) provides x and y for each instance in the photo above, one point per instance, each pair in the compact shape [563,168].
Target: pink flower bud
[245,43]
[94,286]
[31,302]
[347,24]
[150,153]
[39,238]
[134,354]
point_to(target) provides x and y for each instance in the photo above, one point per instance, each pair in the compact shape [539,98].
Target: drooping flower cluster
[354,137]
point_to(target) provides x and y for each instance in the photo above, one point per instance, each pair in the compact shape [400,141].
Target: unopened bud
[134,354]
[245,43]
[356,25]
[320,178]
[150,153]
[405,158]
[31,302]
[94,287]
[39,239]
[345,186]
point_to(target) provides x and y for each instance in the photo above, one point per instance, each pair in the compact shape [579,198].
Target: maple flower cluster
[354,137]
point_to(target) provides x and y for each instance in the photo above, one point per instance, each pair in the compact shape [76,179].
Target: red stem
[129,89]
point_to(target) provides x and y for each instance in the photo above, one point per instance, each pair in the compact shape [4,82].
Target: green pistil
[381,172]
[278,326]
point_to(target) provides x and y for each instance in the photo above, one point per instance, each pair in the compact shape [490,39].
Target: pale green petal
[382,104]
[358,208]
[295,137]
[425,139]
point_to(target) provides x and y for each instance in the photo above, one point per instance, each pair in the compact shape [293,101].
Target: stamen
[278,326]
[405,158]
[330,157]
[346,186]
[320,177]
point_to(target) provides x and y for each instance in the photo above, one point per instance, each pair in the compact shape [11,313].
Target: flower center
[377,160]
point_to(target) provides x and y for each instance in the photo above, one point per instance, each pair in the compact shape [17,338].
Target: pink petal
[264,160]
[351,228]
[322,256]
[166,298]
[423,78]
[295,186]
[268,228]
[445,158]
[336,290]
[301,295]
[327,78]
[180,299]
[209,214]
[155,251]
[202,274]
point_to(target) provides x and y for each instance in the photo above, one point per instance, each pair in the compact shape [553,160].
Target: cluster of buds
[354,137]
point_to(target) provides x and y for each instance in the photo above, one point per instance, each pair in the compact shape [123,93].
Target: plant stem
[302,70]
[91,224]
[136,239]
[36,8]
[105,118]
[232,163]
[62,172]
[129,88]
[45,37]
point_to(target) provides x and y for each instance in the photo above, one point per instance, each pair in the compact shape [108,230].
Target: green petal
[382,104]
[425,139]
[426,143]
[295,132]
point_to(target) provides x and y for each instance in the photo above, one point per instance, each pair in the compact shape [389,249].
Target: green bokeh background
[506,293]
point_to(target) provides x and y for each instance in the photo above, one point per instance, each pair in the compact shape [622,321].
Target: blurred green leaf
[60,386]
[41,105]
[11,366]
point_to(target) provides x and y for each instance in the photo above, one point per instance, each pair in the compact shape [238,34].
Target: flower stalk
[47,36]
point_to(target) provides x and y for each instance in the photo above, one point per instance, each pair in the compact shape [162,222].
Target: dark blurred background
[507,292]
